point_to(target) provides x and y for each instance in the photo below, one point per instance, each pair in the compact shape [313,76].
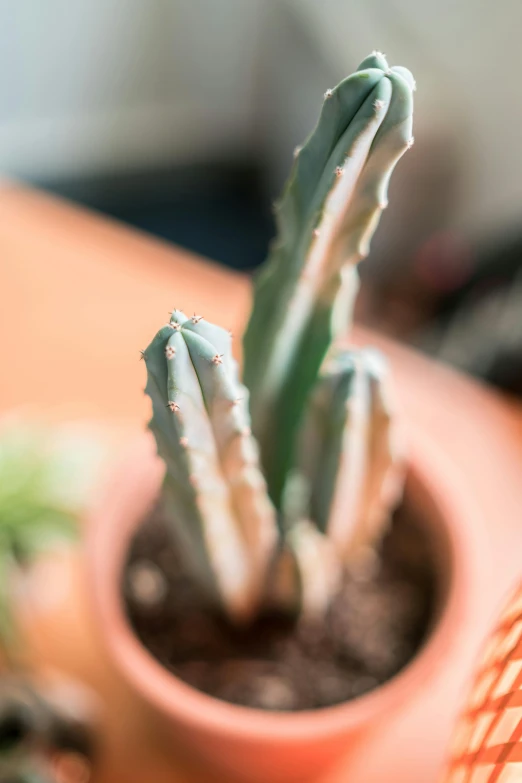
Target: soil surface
[373,628]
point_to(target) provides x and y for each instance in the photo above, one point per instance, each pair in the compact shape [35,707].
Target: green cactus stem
[215,493]
[326,217]
[350,457]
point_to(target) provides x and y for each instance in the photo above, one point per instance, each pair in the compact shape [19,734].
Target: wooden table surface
[81,294]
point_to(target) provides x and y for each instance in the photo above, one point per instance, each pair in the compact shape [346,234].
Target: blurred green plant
[46,474]
[29,775]
[45,477]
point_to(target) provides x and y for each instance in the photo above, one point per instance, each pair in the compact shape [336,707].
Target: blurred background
[180,117]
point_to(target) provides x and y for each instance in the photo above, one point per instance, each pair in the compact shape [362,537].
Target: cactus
[326,217]
[349,456]
[214,489]
[284,541]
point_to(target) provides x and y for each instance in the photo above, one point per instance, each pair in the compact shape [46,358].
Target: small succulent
[275,484]
[45,475]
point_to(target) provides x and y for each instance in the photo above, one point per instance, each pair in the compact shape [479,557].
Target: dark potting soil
[373,628]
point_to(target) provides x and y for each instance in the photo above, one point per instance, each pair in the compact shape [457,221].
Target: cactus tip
[142,355]
[411,142]
[378,105]
[183,442]
[170,352]
[377,53]
[328,94]
[173,406]
[339,171]
[316,232]
[196,318]
[217,359]
[297,150]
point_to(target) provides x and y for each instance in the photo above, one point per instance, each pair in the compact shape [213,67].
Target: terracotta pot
[250,745]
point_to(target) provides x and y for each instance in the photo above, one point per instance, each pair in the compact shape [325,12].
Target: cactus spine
[326,217]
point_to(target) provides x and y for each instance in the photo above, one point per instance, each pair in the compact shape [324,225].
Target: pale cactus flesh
[214,490]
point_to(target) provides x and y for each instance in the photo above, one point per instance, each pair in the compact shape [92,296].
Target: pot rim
[108,534]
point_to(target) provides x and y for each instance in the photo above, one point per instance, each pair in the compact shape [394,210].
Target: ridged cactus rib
[349,454]
[326,217]
[217,502]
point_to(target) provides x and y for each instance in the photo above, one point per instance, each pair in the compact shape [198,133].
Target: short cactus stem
[353,467]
